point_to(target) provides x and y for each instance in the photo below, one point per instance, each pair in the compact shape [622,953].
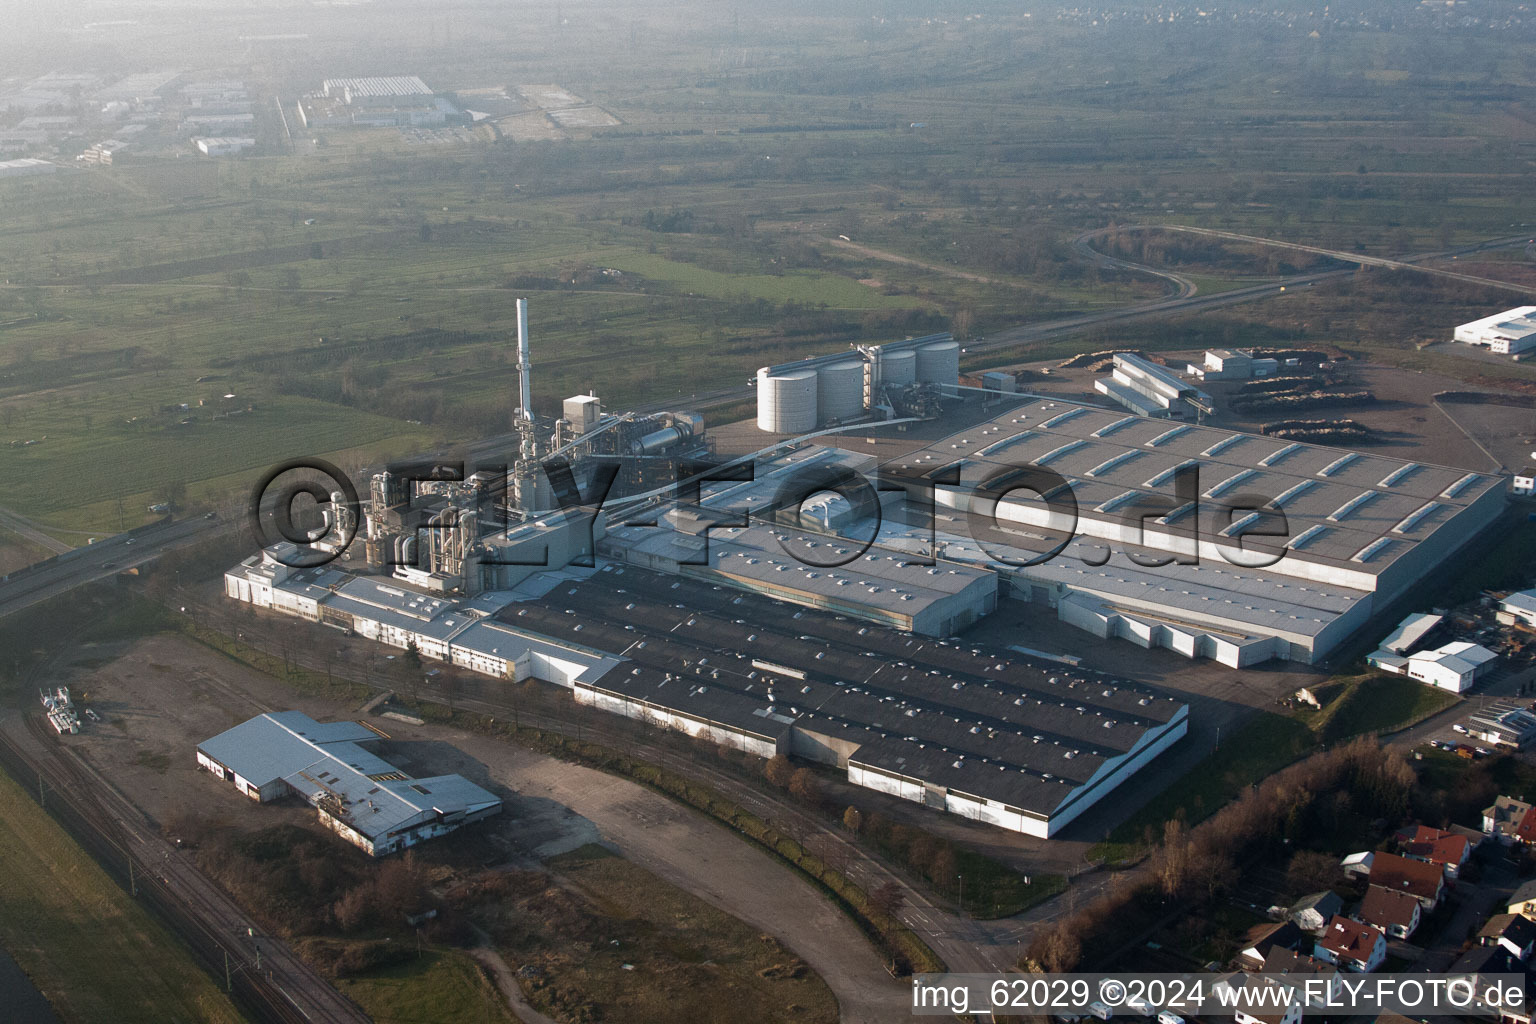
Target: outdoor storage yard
[773,942]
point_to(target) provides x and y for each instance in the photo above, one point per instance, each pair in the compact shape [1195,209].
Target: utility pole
[229,981]
[42,792]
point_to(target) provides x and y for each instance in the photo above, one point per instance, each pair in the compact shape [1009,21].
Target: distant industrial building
[1505,723]
[379,101]
[1147,389]
[1233,364]
[224,145]
[896,379]
[1508,333]
[364,799]
[103,152]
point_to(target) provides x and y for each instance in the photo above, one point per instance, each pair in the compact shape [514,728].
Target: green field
[435,988]
[961,163]
[91,949]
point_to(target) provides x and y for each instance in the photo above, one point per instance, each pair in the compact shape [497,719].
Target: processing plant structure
[896,380]
[744,614]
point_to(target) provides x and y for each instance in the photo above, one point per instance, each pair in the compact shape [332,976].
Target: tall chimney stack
[524,363]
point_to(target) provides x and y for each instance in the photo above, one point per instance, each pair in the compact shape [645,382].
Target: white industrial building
[224,145]
[1233,364]
[1454,666]
[1358,530]
[441,628]
[1524,484]
[361,797]
[1508,333]
[796,398]
[1518,607]
[1147,389]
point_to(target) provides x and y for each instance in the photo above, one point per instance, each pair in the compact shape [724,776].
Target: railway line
[267,980]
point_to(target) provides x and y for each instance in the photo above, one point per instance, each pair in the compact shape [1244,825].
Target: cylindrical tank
[657,440]
[898,367]
[786,402]
[840,391]
[939,363]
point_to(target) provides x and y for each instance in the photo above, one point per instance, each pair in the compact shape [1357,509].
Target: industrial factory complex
[806,598]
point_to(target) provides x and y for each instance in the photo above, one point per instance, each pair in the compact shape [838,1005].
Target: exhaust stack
[524,364]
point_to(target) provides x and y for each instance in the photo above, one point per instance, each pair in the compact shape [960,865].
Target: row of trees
[1335,792]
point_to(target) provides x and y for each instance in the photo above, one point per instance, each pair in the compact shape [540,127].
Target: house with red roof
[1423,880]
[1352,945]
[1393,911]
[1436,846]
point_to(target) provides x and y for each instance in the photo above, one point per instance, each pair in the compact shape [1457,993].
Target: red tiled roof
[1383,907]
[1350,939]
[1526,830]
[1439,848]
[1414,876]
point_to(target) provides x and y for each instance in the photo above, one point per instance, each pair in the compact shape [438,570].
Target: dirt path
[506,983]
[891,257]
[700,857]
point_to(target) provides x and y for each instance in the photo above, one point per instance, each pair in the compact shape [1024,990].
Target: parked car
[1100,1011]
[1458,727]
[1169,1017]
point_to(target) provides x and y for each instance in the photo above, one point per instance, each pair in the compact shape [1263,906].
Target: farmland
[831,183]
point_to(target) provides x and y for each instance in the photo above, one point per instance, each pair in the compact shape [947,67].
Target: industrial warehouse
[362,798]
[1207,542]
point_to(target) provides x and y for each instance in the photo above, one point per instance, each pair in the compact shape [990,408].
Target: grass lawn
[1378,703]
[649,952]
[436,988]
[95,953]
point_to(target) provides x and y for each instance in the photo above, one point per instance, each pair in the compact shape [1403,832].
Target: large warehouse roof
[324,764]
[1363,512]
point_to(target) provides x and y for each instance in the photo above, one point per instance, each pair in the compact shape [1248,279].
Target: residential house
[1352,945]
[1394,912]
[1523,899]
[1265,937]
[1436,846]
[1311,912]
[1505,816]
[1513,933]
[1304,969]
[1358,865]
[1251,1004]
[1424,881]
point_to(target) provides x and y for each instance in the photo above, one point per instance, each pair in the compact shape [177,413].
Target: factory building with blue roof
[360,796]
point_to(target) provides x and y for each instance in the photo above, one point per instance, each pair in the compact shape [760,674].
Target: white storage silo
[786,401]
[939,363]
[840,391]
[898,367]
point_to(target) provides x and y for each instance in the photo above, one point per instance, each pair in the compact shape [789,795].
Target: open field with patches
[776,184]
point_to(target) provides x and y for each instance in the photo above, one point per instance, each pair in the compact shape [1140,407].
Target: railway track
[266,979]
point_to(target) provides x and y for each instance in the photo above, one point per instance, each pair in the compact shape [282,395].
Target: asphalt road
[97,561]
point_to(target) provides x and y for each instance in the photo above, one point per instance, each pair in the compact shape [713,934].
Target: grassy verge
[94,953]
[1377,703]
[1352,706]
[435,988]
[305,681]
